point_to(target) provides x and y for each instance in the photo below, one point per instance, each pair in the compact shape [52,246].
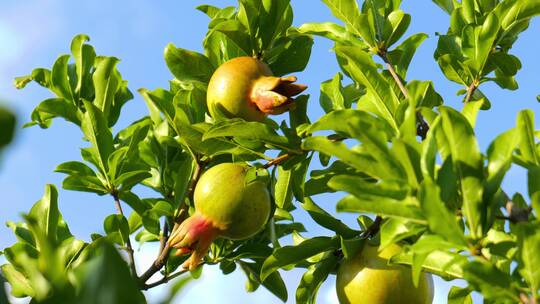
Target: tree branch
[165,248]
[164,280]
[129,248]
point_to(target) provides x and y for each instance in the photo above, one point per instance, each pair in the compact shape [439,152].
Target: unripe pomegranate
[228,204]
[368,279]
[245,87]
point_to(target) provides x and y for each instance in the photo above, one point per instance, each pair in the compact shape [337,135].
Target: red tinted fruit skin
[226,205]
[367,278]
[244,87]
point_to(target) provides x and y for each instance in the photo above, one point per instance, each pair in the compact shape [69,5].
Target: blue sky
[34,32]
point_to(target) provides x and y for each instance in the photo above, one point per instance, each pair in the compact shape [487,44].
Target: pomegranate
[227,204]
[367,278]
[244,87]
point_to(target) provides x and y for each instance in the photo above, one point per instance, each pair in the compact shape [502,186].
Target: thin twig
[470,91]
[276,161]
[164,280]
[163,254]
[422,127]
[128,248]
[373,229]
[164,237]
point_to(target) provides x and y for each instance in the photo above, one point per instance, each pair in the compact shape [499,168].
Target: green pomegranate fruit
[368,279]
[227,204]
[245,87]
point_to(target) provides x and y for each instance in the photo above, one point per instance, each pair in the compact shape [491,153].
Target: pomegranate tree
[245,87]
[229,203]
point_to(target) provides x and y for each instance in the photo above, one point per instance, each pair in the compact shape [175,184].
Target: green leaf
[316,274]
[491,282]
[59,78]
[362,162]
[381,206]
[331,31]
[355,22]
[265,21]
[219,48]
[402,55]
[373,142]
[7,125]
[283,189]
[394,230]
[470,110]
[182,180]
[129,179]
[85,184]
[188,65]
[468,165]
[446,5]
[477,42]
[55,107]
[400,22]
[251,130]
[458,295]
[75,168]
[360,66]
[454,69]
[514,11]
[116,285]
[20,285]
[290,255]
[527,143]
[84,55]
[440,220]
[161,100]
[210,10]
[235,31]
[46,213]
[95,129]
[439,262]
[106,82]
[326,220]
[499,156]
[423,94]
[429,152]
[22,233]
[334,121]
[331,97]
[360,186]
[192,136]
[529,243]
[289,54]
[117,228]
[273,282]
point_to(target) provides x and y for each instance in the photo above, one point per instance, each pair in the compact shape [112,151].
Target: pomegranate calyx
[194,236]
[273,95]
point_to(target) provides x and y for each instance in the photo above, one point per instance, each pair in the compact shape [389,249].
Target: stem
[422,127]
[164,280]
[373,229]
[128,248]
[396,77]
[165,248]
[164,237]
[276,161]
[470,91]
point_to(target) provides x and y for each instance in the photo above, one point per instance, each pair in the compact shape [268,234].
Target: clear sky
[34,32]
